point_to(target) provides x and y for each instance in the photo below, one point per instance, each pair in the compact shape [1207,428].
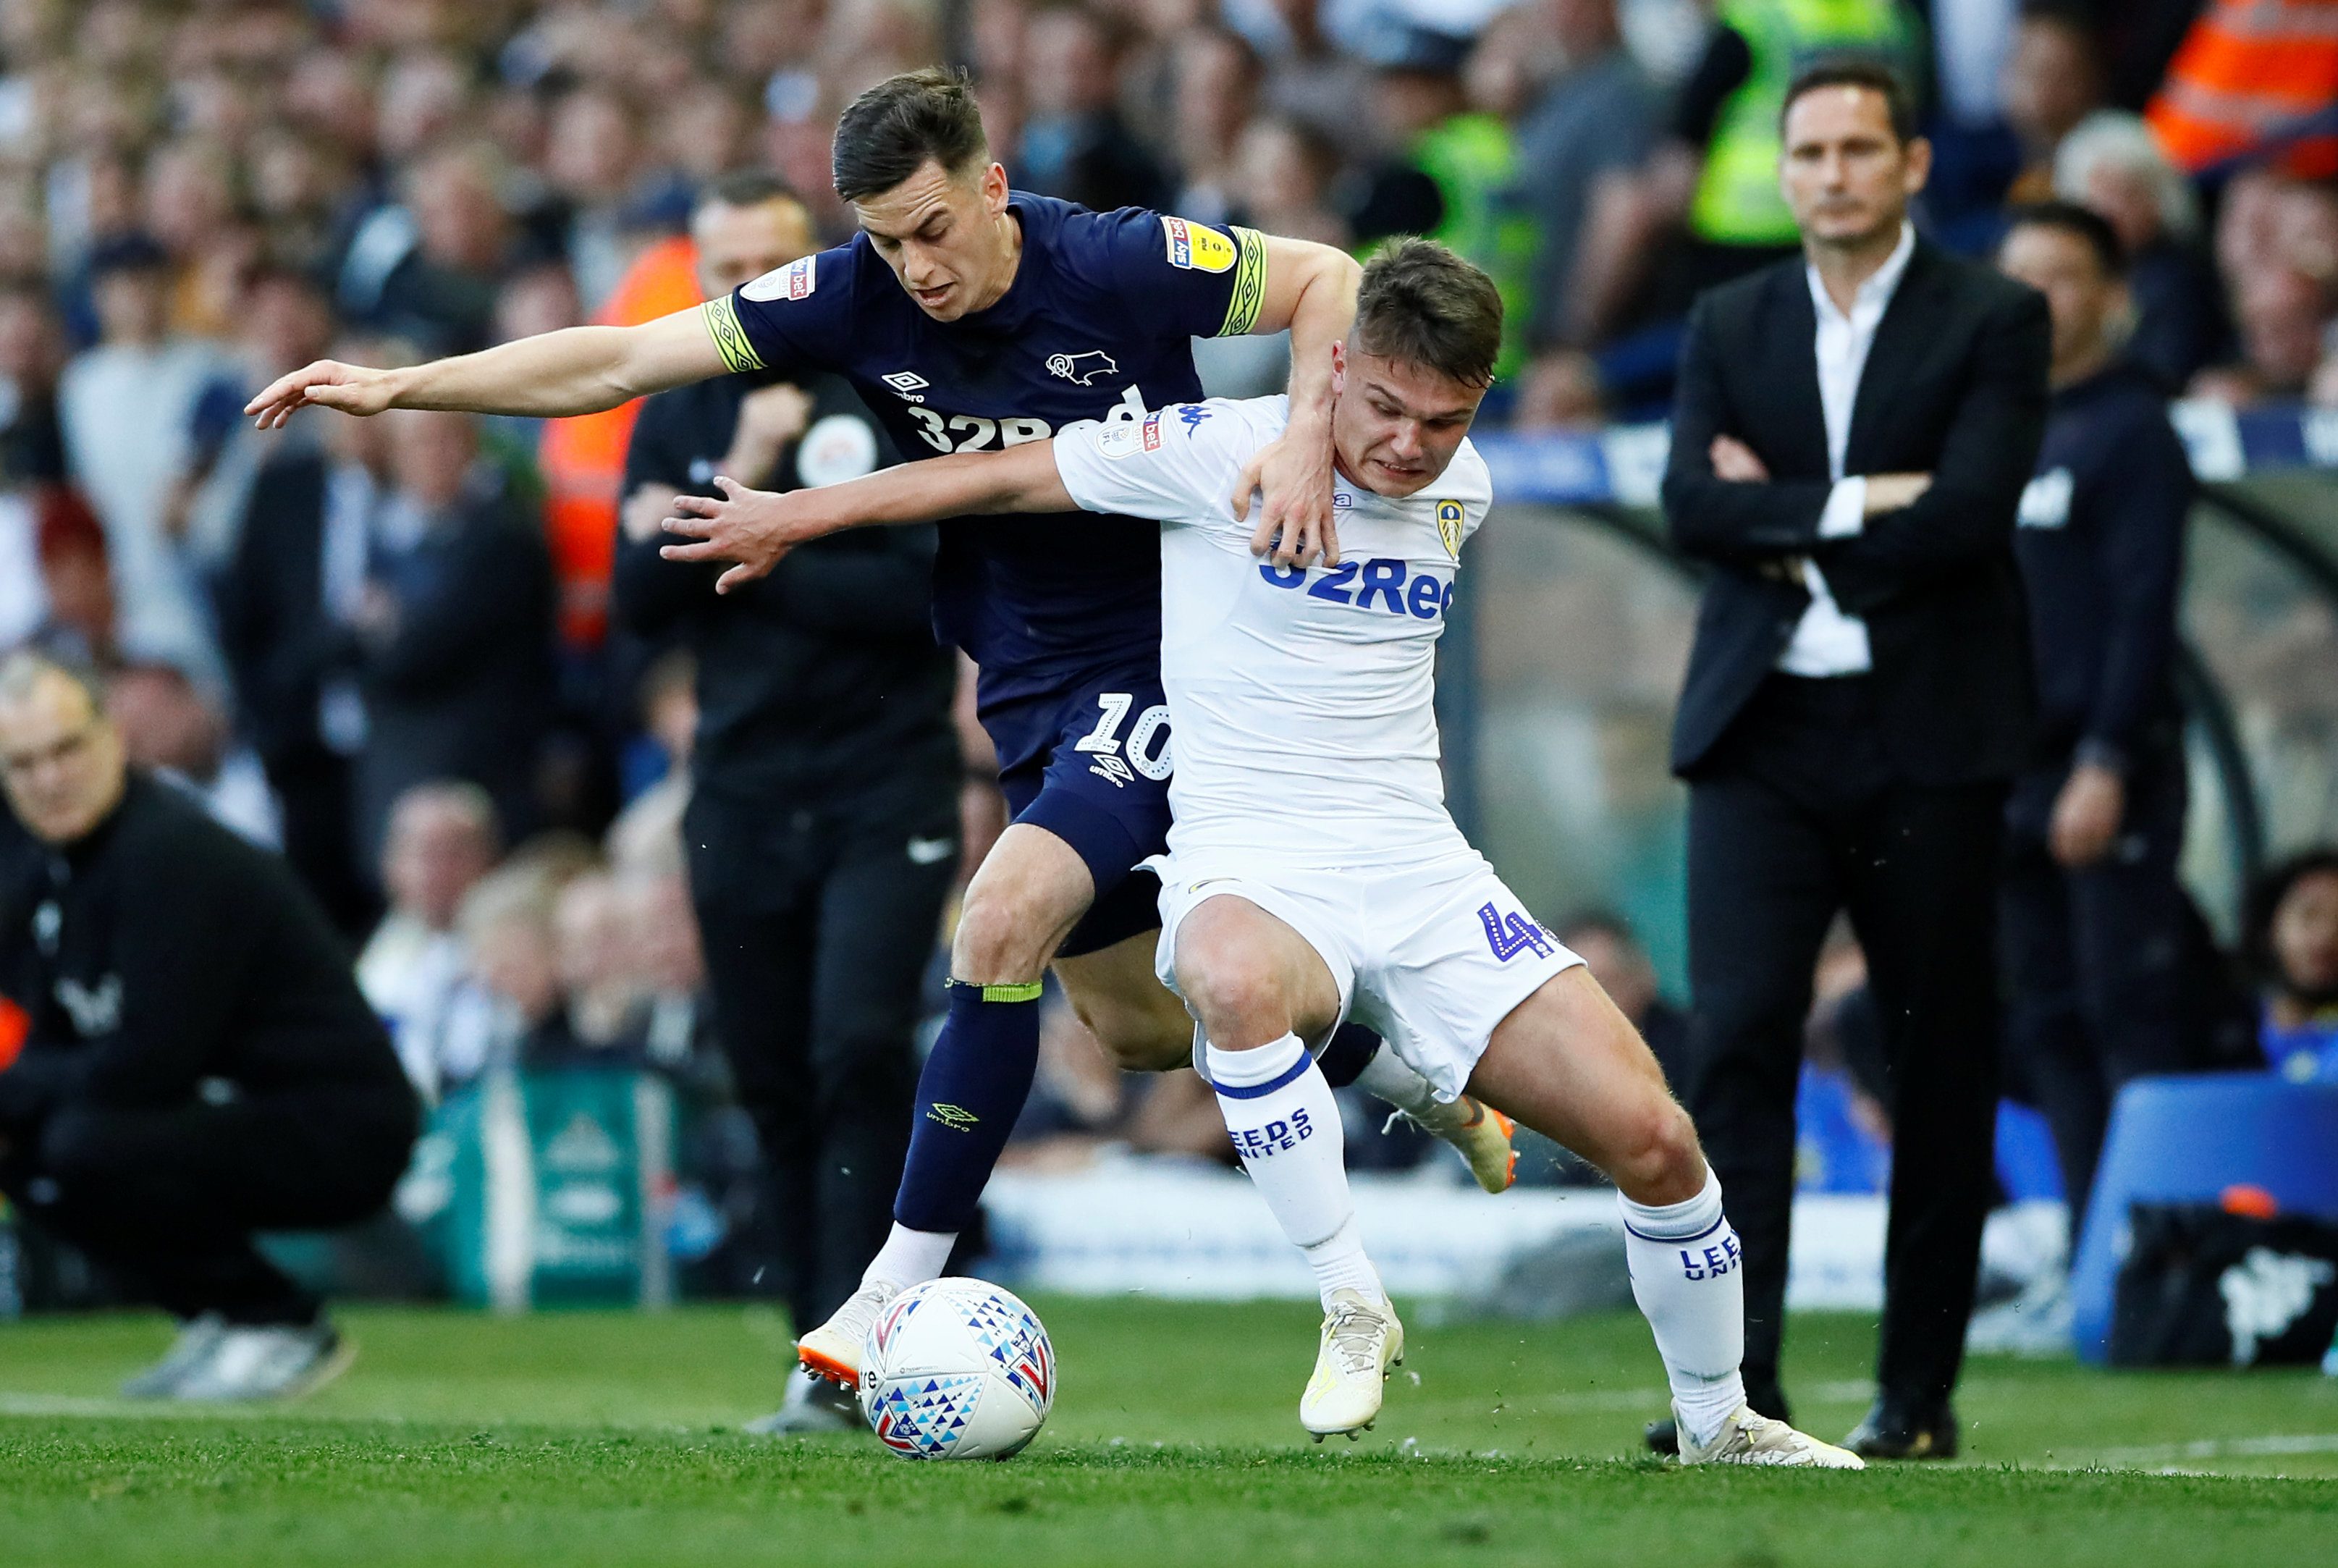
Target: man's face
[940,234]
[2064,268]
[1396,425]
[437,852]
[1845,173]
[132,304]
[430,454]
[2305,937]
[61,760]
[738,244]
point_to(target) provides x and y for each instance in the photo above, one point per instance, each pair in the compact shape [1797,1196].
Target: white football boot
[1362,1340]
[1748,1437]
[833,1349]
[198,1337]
[813,1406]
[275,1361]
[1480,1133]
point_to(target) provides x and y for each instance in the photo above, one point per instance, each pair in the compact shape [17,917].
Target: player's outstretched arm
[575,370]
[755,529]
[1311,291]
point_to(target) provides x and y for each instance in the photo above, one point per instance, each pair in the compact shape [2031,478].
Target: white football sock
[1340,1264]
[1388,1077]
[1686,1277]
[911,1257]
[1286,1127]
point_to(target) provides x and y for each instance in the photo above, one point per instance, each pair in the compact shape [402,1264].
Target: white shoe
[1362,1340]
[1748,1437]
[197,1337]
[279,1361]
[1481,1134]
[833,1349]
[813,1406]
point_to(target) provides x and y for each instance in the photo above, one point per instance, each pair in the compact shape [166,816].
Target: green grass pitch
[583,1439]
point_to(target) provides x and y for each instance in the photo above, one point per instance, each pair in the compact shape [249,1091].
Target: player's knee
[1239,1000]
[994,943]
[1656,1159]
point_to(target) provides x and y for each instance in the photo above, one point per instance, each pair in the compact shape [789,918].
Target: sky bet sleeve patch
[1197,247]
[730,339]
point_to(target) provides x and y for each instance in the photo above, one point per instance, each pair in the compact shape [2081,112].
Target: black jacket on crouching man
[822,829]
[200,1063]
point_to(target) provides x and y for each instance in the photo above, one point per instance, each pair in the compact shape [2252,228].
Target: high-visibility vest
[583,459]
[2248,70]
[1473,159]
[1738,200]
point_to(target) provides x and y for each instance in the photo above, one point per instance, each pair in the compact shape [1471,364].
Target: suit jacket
[461,685]
[1954,386]
[280,641]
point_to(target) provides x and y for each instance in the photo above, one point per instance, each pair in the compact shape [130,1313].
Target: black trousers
[1799,815]
[166,1199]
[2094,961]
[818,927]
[321,835]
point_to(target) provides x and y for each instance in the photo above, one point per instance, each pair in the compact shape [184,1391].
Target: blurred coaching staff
[1852,431]
[822,826]
[196,1062]
[2094,918]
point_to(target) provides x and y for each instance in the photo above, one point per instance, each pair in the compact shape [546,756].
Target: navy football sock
[972,1089]
[1350,1051]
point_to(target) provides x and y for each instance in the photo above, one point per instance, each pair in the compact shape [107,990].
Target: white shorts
[1429,957]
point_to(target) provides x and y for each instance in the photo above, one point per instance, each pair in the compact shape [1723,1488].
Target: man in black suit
[1851,437]
[287,602]
[454,628]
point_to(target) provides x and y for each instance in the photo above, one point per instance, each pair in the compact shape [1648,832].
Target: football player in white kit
[1313,871]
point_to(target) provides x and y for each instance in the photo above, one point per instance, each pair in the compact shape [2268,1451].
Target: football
[957,1369]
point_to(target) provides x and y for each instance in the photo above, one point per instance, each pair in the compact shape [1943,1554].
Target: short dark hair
[742,188]
[2084,222]
[889,132]
[2265,897]
[1855,70]
[1424,305]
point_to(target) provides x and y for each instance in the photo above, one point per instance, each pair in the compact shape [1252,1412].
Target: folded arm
[755,528]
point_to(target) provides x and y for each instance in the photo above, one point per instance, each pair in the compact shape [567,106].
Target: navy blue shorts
[1090,763]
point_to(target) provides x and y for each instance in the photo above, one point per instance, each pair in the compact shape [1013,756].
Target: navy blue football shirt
[1096,325]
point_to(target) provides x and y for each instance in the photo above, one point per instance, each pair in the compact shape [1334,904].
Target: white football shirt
[1301,703]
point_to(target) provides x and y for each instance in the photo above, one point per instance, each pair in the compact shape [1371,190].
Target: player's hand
[769,419]
[755,529]
[1294,472]
[326,384]
[1735,461]
[2087,815]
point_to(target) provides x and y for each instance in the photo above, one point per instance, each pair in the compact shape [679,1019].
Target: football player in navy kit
[1029,315]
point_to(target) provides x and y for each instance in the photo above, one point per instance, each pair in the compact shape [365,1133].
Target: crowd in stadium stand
[424,703]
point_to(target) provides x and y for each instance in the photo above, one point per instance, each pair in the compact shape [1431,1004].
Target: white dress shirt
[1828,642]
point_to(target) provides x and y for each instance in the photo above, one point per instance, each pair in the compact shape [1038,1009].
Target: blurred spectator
[510,988]
[133,411]
[289,606]
[2292,938]
[1560,391]
[2253,75]
[594,155]
[1307,76]
[1214,77]
[170,727]
[2053,81]
[79,618]
[2092,917]
[1393,185]
[431,269]
[1721,170]
[1580,145]
[1073,143]
[31,356]
[453,628]
[646,838]
[2111,163]
[443,839]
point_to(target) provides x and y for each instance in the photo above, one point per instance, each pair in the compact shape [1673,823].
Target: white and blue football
[957,1369]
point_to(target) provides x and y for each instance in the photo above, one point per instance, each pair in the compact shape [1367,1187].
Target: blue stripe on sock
[1678,1240]
[1291,1074]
